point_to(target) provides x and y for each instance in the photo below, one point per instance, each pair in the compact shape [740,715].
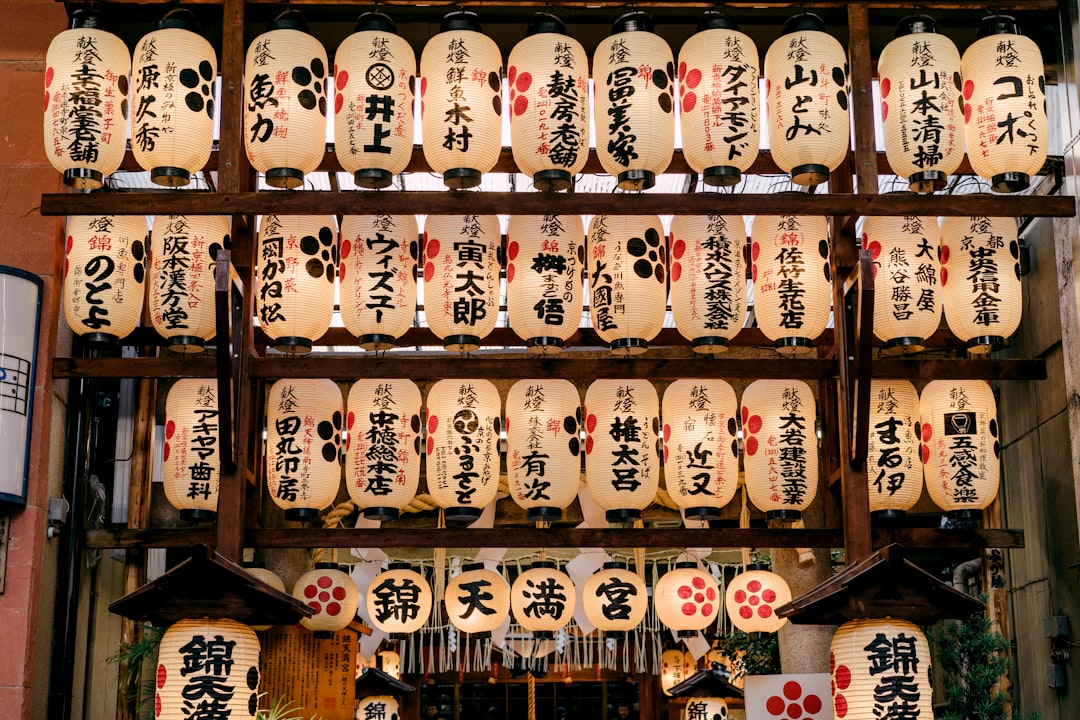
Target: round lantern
[104,276]
[542,599]
[382,453]
[921,111]
[399,600]
[708,279]
[718,95]
[792,279]
[298,256]
[191,464]
[377,707]
[627,271]
[701,447]
[461,278]
[86,100]
[266,577]
[806,76]
[675,667]
[870,659]
[389,662]
[477,599]
[463,425]
[894,469]
[779,420]
[960,446]
[183,255]
[332,594]
[173,76]
[303,426]
[752,598]
[1004,105]
[615,599]
[374,75]
[543,464]
[196,655]
[285,102]
[706,707]
[634,74]
[377,277]
[622,418]
[984,301]
[545,265]
[687,599]
[461,101]
[549,104]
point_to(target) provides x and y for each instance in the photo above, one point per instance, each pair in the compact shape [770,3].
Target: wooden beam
[1010,5]
[231,160]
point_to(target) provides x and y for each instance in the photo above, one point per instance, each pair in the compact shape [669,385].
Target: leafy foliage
[139,692]
[751,655]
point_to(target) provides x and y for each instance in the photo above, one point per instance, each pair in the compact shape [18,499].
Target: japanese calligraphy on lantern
[477,599]
[621,465]
[377,277]
[207,669]
[907,305]
[880,669]
[615,599]
[542,446]
[894,470]
[461,278]
[191,461]
[382,453]
[542,599]
[399,600]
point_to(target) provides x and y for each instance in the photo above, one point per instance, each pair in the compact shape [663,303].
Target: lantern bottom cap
[301,514]
[101,339]
[1010,182]
[84,178]
[373,178]
[462,178]
[794,346]
[636,179]
[904,345]
[170,176]
[712,345]
[285,178]
[543,634]
[463,515]
[462,343]
[544,345]
[294,345]
[783,515]
[721,175]
[963,518]
[544,514]
[622,515]
[810,174]
[614,634]
[890,514]
[381,513]
[187,344]
[553,180]
[687,633]
[377,341]
[985,344]
[197,515]
[927,181]
[702,513]
[629,346]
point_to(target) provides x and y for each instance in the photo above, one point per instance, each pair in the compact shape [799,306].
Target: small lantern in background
[389,662]
[461,278]
[195,655]
[477,599]
[332,594]
[260,573]
[615,599]
[382,707]
[752,598]
[687,599]
[20,294]
[399,600]
[894,468]
[543,451]
[868,659]
[675,667]
[191,460]
[542,599]
[707,707]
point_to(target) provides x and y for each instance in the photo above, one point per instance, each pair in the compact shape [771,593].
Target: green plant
[751,654]
[281,709]
[130,659]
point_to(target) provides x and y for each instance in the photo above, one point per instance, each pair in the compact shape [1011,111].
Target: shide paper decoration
[477,599]
[399,600]
[542,599]
[687,599]
[191,460]
[615,599]
[332,594]
[752,598]
[870,660]
[893,464]
[207,663]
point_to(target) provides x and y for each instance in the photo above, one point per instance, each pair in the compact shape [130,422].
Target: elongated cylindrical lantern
[104,275]
[806,76]
[461,278]
[894,470]
[980,280]
[383,707]
[921,109]
[332,594]
[1004,105]
[634,75]
[960,446]
[377,277]
[374,76]
[622,419]
[399,599]
[708,279]
[627,271]
[298,258]
[870,659]
[687,599]
[779,419]
[792,279]
[191,463]
[183,256]
[461,101]
[285,102]
[463,426]
[260,573]
[477,599]
[752,598]
[389,661]
[543,465]
[303,440]
[86,100]
[196,656]
[701,447]
[675,666]
[615,599]
[382,453]
[542,599]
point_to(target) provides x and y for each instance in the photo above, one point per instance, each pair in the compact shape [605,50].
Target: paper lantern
[1004,105]
[542,599]
[752,598]
[634,75]
[303,426]
[706,707]
[627,270]
[477,599]
[549,104]
[708,279]
[779,420]
[207,662]
[869,660]
[893,466]
[461,101]
[792,279]
[267,577]
[285,102]
[461,278]
[543,464]
[377,707]
[545,265]
[183,261]
[332,594]
[191,464]
[718,95]
[960,446]
[622,418]
[701,447]
[103,276]
[374,76]
[20,294]
[984,301]
[298,257]
[921,113]
[389,662]
[687,599]
[806,76]
[615,599]
[86,100]
[675,667]
[399,600]
[463,425]
[377,277]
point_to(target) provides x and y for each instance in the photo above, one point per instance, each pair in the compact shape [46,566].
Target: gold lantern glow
[893,464]
[792,279]
[104,275]
[921,113]
[542,599]
[285,102]
[869,659]
[806,76]
[378,707]
[399,600]
[634,75]
[86,100]
[191,459]
[303,426]
[389,662]
[331,593]
[708,279]
[615,599]
[622,420]
[545,265]
[266,577]
[543,464]
[298,257]
[779,420]
[477,599]
[461,101]
[687,599]
[752,598]
[198,655]
[706,707]
[1004,105]
[461,278]
[675,667]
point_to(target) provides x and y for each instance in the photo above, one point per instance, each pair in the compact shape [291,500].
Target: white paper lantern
[675,666]
[870,659]
[894,470]
[377,707]
[399,600]
[461,278]
[477,599]
[191,460]
[377,277]
[267,577]
[615,599]
[542,599]
[752,598]
[332,594]
[389,662]
[706,707]
[687,599]
[197,656]
[543,462]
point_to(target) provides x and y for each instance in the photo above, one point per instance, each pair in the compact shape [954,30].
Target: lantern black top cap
[685,564]
[460,20]
[913,24]
[326,566]
[398,566]
[89,17]
[543,564]
[716,20]
[633,21]
[757,566]
[615,565]
[998,24]
[803,22]
[469,567]
[288,20]
[179,19]
[377,21]
[544,22]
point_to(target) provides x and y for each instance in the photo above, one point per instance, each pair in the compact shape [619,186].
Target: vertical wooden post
[232,162]
[862,105]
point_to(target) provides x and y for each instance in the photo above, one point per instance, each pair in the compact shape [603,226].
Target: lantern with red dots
[191,461]
[752,598]
[267,577]
[542,599]
[802,696]
[869,658]
[675,667]
[687,599]
[195,654]
[615,599]
[378,706]
[543,465]
[332,594]
[399,600]
[894,468]
[477,599]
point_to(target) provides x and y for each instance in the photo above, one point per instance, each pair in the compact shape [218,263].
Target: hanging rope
[532,697]
[333,519]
